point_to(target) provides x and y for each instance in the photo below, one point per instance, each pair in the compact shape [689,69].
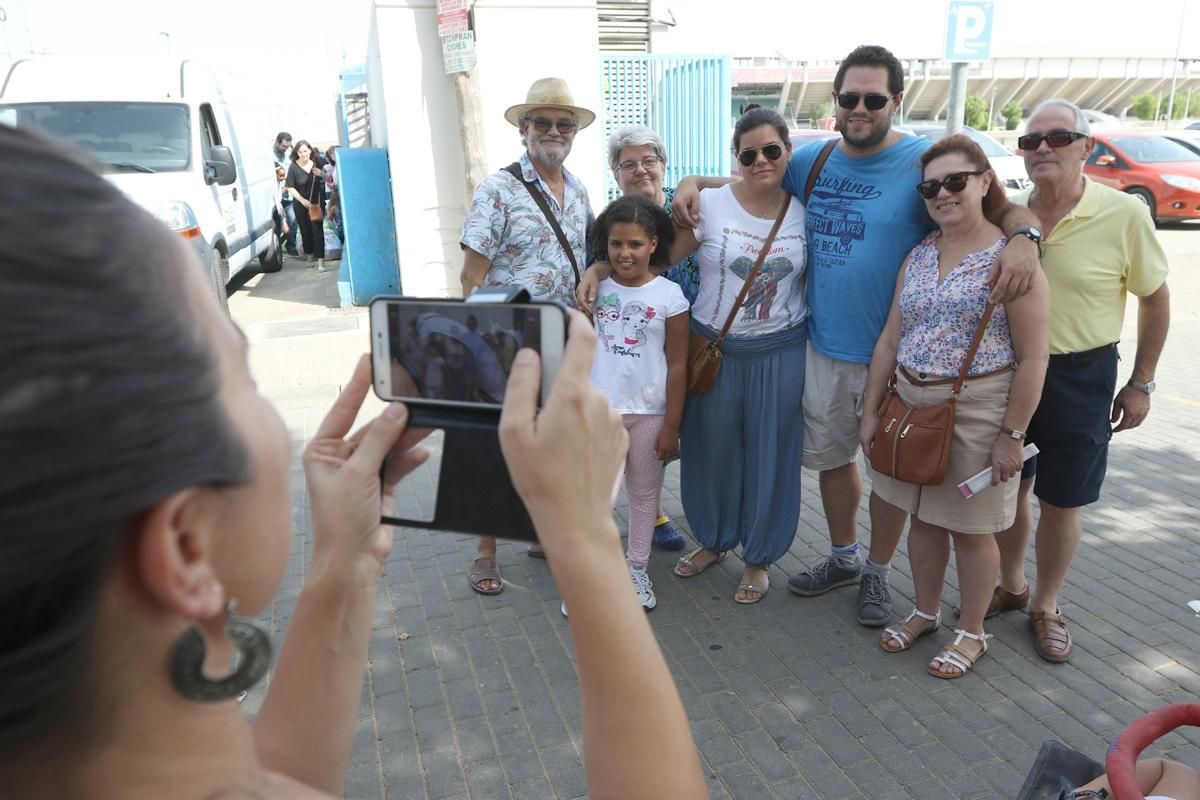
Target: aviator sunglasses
[954,182]
[873,102]
[750,154]
[1056,139]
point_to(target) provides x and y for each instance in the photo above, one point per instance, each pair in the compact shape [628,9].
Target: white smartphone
[453,353]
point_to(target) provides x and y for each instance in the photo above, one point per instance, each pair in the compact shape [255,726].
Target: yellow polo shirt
[1103,248]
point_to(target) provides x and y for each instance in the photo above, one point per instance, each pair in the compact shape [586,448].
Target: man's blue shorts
[1072,426]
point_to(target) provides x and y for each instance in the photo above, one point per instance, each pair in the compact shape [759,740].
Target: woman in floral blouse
[940,298]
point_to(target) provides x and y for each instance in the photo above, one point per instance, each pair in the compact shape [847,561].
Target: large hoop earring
[251,644]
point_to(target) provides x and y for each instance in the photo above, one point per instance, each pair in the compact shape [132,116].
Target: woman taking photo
[305,182]
[145,518]
[741,441]
[940,299]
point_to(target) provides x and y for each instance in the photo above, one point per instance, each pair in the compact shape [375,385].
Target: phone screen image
[457,352]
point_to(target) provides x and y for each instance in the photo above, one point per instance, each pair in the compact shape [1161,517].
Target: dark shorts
[1072,426]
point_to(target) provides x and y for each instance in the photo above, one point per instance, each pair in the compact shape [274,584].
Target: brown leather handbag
[704,354]
[913,444]
[315,212]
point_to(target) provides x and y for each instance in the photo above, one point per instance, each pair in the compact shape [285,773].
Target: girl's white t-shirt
[631,328]
[730,239]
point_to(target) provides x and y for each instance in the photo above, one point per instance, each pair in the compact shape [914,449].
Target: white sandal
[956,657]
[904,635]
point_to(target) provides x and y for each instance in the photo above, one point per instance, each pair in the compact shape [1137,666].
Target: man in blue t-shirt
[862,218]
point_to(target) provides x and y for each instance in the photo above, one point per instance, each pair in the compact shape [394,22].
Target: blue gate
[369,258]
[685,99]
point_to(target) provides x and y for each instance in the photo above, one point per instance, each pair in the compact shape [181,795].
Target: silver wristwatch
[1148,387]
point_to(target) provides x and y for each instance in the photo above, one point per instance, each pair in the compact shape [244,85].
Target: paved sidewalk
[476,697]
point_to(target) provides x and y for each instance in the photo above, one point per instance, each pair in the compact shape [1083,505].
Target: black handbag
[1057,771]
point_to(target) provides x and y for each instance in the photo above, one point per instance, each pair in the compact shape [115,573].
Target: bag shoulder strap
[762,256]
[817,166]
[962,373]
[514,169]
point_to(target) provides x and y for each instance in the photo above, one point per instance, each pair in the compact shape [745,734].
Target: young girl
[641,359]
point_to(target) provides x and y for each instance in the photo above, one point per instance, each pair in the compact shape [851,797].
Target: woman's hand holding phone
[563,460]
[342,473]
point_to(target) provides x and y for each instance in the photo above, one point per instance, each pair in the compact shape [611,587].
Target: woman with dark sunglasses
[940,299]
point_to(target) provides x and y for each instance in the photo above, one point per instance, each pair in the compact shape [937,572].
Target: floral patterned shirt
[938,319]
[687,272]
[505,226]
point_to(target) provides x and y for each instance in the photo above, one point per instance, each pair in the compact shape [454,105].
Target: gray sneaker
[874,601]
[826,575]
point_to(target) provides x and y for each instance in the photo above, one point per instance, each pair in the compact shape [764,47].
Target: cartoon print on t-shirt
[634,318]
[608,311]
[762,292]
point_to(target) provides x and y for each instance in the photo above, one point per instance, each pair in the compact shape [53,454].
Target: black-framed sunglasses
[954,182]
[543,125]
[750,154]
[873,101]
[1056,139]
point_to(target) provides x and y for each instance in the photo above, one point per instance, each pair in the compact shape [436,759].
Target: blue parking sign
[969,30]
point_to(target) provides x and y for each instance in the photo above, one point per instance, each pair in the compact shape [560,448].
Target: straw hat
[549,93]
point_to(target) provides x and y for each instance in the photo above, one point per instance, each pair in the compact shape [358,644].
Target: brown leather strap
[514,169]
[916,380]
[817,166]
[762,256]
[979,329]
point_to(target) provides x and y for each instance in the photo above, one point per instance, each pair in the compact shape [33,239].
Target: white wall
[421,118]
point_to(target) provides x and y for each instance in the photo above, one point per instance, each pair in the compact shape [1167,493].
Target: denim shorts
[1072,426]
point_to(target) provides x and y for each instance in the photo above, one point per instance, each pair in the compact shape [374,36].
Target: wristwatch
[1033,234]
[1148,387]
[1012,433]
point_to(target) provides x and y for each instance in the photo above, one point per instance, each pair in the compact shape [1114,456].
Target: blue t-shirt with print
[863,217]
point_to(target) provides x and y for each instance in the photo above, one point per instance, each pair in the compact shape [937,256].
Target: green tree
[1145,106]
[976,113]
[1012,115]
[823,111]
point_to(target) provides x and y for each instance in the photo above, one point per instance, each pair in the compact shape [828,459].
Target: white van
[174,143]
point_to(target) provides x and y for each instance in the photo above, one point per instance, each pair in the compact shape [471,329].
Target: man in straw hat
[509,238]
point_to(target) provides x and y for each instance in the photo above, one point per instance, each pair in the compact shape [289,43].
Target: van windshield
[133,137]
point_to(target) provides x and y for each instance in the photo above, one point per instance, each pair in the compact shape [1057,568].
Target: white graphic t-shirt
[631,358]
[730,238]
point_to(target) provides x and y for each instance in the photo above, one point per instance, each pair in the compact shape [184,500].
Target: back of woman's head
[635,210]
[108,404]
[756,117]
[961,144]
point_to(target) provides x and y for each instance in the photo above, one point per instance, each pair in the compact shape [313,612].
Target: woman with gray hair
[638,159]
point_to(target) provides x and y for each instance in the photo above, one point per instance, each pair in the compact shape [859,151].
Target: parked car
[1009,167]
[172,140]
[1100,119]
[1188,138]
[1161,172]
[1195,126]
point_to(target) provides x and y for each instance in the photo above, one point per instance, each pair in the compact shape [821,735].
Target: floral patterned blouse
[687,272]
[938,319]
[505,226]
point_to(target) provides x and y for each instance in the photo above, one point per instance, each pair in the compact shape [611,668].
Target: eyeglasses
[954,182]
[1056,139]
[543,125]
[648,163]
[750,154]
[873,102]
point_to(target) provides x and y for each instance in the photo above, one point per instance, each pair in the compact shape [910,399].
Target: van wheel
[271,259]
[1147,199]
[218,273]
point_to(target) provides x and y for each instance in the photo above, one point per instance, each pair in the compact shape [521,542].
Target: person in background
[283,160]
[306,184]
[129,399]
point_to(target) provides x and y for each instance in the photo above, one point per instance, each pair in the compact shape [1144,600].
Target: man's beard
[551,159]
[878,132]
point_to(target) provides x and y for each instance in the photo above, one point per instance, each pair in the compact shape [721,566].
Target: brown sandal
[1003,600]
[954,656]
[903,634]
[484,568]
[1051,638]
[689,561]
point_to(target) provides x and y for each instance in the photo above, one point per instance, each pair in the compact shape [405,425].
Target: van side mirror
[219,167]
[1106,161]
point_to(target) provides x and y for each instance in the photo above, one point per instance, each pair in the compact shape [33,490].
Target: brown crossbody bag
[913,444]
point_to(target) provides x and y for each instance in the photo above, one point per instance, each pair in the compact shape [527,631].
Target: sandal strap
[916,612]
[905,635]
[979,637]
[955,658]
[750,587]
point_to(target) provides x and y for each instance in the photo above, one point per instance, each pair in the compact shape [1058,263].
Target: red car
[1161,172]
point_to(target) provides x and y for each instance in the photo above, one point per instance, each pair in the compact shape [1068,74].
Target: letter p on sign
[969,30]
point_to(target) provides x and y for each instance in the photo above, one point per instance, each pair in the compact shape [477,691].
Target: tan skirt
[977,421]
